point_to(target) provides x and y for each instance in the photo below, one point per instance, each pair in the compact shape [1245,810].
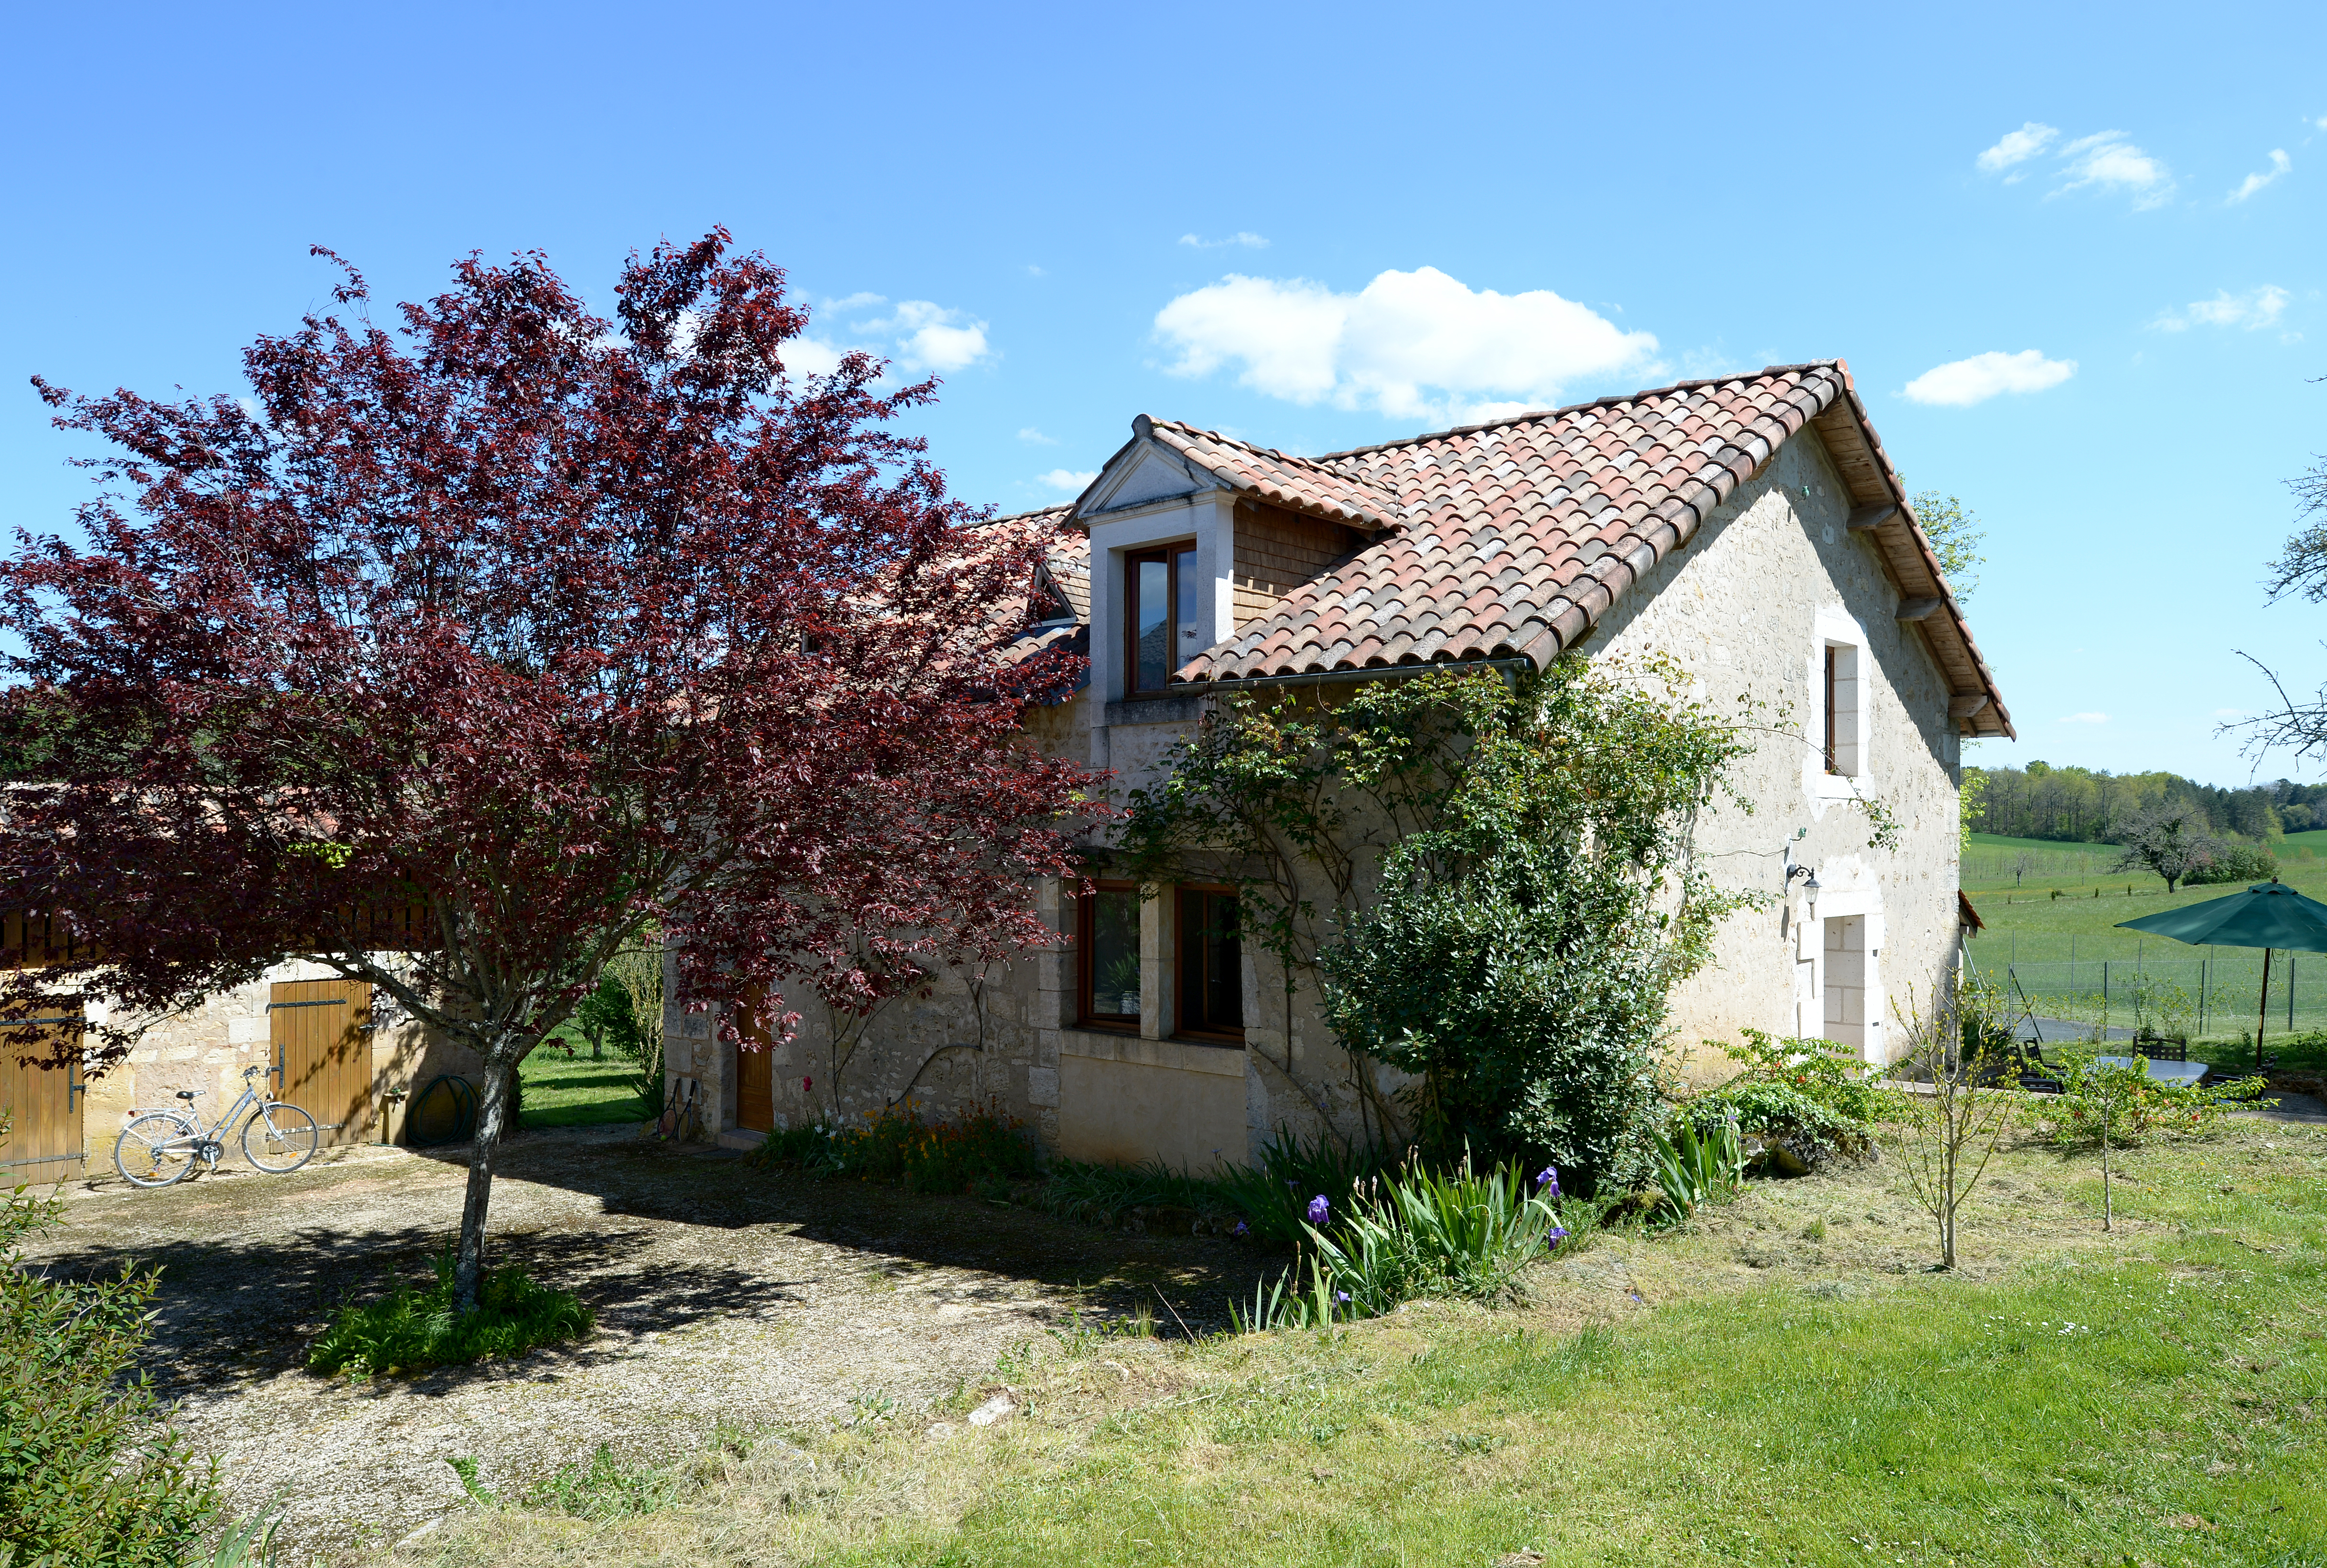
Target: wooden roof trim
[1880,509]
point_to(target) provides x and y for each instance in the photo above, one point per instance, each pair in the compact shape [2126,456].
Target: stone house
[351,1060]
[1749,527]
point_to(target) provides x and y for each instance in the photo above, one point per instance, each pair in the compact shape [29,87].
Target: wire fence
[2212,992]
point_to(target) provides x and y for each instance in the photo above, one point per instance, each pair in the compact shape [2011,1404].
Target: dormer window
[1160,599]
[1049,606]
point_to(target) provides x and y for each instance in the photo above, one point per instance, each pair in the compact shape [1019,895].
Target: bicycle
[167,1143]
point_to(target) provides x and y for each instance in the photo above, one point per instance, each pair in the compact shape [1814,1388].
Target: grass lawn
[559,1093]
[1776,1384]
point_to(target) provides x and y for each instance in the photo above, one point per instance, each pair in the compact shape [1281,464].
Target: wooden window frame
[1832,659]
[1132,559]
[1183,956]
[1086,1014]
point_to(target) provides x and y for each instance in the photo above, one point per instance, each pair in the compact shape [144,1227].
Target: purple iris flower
[1554,1237]
[1319,1209]
[1547,1181]
[1342,1296]
[1240,1230]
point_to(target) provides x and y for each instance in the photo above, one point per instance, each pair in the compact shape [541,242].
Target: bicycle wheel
[155,1150]
[278,1137]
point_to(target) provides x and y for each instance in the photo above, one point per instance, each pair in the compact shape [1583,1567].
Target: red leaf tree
[553,635]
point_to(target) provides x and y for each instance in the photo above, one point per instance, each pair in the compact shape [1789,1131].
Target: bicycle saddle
[190,1093]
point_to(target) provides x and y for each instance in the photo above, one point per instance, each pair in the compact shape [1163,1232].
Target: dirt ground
[725,1295]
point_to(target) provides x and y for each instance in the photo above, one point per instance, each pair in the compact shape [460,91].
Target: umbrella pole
[2263,1016]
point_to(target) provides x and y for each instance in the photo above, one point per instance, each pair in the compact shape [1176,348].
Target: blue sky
[2073,256]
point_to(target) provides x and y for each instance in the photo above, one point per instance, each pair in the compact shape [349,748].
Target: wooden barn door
[43,1103]
[322,1052]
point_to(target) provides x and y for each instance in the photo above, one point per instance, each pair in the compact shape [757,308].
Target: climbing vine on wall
[1491,881]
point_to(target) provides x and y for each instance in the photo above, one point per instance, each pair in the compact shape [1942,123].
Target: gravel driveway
[725,1295]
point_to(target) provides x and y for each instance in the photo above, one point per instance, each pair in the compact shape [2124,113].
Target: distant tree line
[2089,805]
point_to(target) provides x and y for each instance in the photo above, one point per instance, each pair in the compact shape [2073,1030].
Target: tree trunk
[468,1262]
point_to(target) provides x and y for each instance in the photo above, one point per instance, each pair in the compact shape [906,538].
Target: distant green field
[2053,940]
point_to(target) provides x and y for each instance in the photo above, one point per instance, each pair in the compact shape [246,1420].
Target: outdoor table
[2181,1074]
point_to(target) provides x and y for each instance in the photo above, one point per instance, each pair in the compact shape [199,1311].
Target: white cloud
[2017,147]
[1248,240]
[814,356]
[1410,344]
[1067,480]
[2083,719]
[2279,165]
[2107,158]
[1960,383]
[920,336]
[929,337]
[1037,437]
[2254,309]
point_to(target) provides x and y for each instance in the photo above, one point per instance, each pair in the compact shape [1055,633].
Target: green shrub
[1813,1095]
[409,1329]
[2130,1105]
[2233,861]
[983,1153]
[88,1475]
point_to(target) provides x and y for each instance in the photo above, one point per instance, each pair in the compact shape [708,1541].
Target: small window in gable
[1844,728]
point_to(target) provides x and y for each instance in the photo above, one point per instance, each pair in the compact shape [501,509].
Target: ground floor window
[1212,966]
[1109,954]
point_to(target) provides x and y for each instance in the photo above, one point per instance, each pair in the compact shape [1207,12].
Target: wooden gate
[322,1034]
[43,1103]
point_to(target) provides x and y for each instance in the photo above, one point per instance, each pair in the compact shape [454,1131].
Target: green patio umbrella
[2269,915]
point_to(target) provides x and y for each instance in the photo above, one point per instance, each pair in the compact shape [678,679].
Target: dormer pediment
[1144,473]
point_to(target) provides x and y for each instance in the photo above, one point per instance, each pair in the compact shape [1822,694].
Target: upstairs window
[1842,710]
[1109,944]
[1160,599]
[1211,967]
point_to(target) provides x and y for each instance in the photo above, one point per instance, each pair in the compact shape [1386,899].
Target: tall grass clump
[410,1328]
[1275,1192]
[1409,1234]
[1105,1195]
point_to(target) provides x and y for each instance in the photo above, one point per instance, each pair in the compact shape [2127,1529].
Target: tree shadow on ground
[242,1307]
[686,1185]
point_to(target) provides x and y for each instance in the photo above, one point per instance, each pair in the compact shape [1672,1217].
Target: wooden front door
[755,1087]
[322,1034]
[43,1103]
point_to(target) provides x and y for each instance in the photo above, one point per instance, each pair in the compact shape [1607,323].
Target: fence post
[2201,996]
[2290,991]
[2105,995]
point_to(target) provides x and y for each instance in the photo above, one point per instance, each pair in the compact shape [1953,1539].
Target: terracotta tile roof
[1298,484]
[1067,564]
[1513,538]
[1527,530]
